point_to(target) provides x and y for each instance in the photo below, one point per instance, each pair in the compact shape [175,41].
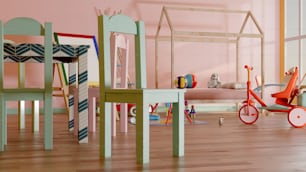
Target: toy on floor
[153,108]
[153,115]
[248,113]
[221,121]
[186,112]
[214,81]
[192,113]
[131,109]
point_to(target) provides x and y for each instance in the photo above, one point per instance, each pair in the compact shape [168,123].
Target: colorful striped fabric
[34,52]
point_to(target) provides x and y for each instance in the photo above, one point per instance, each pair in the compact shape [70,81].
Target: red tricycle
[248,113]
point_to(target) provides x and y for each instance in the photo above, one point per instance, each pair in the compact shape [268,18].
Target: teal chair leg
[35,115]
[48,122]
[5,123]
[142,131]
[105,130]
[178,127]
[2,124]
[21,114]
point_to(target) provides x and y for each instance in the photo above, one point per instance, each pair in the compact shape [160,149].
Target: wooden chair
[29,27]
[141,95]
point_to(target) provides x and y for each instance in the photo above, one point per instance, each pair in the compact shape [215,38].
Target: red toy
[131,109]
[248,113]
[186,112]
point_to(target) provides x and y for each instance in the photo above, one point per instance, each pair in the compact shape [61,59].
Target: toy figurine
[186,108]
[214,81]
[192,112]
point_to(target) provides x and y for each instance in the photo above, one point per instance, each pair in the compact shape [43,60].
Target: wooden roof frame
[188,36]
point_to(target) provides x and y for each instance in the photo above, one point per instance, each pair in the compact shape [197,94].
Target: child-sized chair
[30,27]
[141,95]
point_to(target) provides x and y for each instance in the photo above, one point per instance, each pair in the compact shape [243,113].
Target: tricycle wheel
[248,114]
[297,117]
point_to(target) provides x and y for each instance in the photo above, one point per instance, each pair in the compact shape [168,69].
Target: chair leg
[71,113]
[91,113]
[48,122]
[2,124]
[35,115]
[76,112]
[5,126]
[178,127]
[123,117]
[21,114]
[72,90]
[105,130]
[142,132]
[21,103]
[114,119]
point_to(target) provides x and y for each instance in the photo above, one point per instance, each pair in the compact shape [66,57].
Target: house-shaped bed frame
[177,35]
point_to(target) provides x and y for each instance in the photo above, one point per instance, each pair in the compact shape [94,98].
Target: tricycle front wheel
[248,114]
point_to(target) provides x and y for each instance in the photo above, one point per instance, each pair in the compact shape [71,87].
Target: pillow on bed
[234,85]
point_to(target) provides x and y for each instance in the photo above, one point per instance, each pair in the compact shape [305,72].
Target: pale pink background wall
[79,16]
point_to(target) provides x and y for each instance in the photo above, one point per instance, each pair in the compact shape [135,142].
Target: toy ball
[180,82]
[191,81]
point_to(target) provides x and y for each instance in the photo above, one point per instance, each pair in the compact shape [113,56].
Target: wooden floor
[270,145]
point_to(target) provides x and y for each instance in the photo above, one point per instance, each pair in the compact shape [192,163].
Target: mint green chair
[21,26]
[141,96]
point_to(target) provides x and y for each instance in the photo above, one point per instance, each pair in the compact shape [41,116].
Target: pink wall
[76,16]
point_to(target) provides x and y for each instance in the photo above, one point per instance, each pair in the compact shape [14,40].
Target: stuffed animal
[214,81]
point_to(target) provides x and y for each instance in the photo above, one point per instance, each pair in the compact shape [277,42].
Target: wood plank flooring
[270,145]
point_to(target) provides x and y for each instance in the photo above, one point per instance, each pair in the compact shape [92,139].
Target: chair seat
[130,95]
[282,94]
[287,93]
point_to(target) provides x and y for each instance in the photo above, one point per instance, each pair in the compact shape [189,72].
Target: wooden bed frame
[187,36]
[215,94]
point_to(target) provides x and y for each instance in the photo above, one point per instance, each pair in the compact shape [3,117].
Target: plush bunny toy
[214,81]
